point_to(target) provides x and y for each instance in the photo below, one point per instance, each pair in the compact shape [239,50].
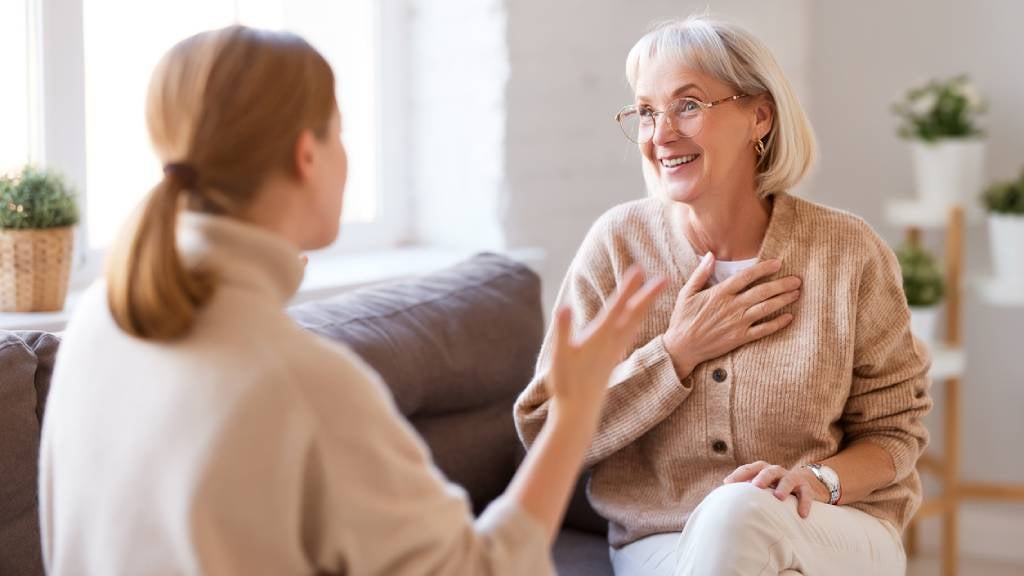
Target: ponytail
[150,293]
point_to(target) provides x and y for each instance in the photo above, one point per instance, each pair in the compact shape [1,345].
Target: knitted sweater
[846,369]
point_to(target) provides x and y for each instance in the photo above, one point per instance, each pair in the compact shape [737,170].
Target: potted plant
[940,119]
[38,212]
[1004,202]
[924,287]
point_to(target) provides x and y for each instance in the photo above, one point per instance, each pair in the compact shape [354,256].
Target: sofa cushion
[456,339]
[475,449]
[26,363]
[455,347]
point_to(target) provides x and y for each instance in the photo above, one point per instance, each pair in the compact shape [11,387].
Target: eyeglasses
[685,117]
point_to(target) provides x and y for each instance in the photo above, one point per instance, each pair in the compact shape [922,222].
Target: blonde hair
[732,55]
[224,110]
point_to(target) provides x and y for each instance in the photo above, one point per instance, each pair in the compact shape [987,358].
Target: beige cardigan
[846,370]
[248,447]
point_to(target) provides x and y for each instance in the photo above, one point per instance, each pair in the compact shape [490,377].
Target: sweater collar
[240,255]
[776,237]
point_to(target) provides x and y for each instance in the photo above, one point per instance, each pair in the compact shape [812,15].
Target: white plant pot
[949,171]
[924,322]
[1006,238]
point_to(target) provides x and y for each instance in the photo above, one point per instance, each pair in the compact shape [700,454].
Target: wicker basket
[35,267]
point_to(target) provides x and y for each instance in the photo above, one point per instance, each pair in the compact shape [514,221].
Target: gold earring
[759,148]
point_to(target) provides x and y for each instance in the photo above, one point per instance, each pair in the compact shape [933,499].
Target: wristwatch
[829,478]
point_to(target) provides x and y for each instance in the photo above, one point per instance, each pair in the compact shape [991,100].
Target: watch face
[830,476]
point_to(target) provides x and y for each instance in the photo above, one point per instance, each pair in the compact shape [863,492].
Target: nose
[663,133]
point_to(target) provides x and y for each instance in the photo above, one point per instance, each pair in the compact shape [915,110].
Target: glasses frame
[705,106]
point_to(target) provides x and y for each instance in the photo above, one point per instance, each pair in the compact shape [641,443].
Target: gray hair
[733,55]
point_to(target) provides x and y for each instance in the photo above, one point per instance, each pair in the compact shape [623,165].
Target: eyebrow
[679,91]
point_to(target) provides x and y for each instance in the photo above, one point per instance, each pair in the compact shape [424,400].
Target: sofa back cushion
[26,363]
[455,347]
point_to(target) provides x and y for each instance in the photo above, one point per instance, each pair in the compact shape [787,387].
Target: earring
[759,148]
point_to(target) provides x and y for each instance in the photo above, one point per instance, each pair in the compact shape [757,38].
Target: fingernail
[707,256]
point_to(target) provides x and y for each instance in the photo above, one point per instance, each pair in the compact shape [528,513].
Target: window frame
[58,58]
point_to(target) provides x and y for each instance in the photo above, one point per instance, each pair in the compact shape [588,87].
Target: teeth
[670,162]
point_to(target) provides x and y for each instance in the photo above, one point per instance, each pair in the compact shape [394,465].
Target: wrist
[821,492]
[681,361]
[825,481]
[572,416]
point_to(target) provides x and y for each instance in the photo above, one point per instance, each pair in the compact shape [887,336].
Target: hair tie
[185,173]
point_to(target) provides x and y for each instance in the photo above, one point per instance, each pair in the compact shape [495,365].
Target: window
[17,126]
[76,74]
[124,40]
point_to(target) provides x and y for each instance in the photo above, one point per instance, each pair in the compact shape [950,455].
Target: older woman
[768,417]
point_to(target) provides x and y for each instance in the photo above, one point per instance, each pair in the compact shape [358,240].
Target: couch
[455,347]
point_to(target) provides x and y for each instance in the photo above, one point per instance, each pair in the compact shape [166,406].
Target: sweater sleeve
[889,392]
[376,504]
[643,389]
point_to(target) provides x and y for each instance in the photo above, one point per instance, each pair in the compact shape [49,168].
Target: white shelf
[915,213]
[1000,293]
[946,362]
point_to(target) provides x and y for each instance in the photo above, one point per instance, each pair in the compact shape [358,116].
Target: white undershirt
[724,269]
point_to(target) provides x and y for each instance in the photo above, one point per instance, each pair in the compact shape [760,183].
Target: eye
[645,113]
[688,106]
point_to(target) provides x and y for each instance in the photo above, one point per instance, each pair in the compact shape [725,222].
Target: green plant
[1005,197]
[941,109]
[922,280]
[36,199]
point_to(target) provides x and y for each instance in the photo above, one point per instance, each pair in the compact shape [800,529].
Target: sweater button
[719,375]
[719,446]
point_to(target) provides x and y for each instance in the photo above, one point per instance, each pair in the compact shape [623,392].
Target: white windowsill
[326,275]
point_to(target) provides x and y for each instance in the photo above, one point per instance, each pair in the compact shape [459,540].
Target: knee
[739,511]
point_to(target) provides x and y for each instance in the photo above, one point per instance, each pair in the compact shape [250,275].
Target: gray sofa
[455,347]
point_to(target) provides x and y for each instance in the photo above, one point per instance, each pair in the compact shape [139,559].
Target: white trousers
[740,529]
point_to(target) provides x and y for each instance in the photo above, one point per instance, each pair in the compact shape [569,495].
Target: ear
[764,116]
[305,155]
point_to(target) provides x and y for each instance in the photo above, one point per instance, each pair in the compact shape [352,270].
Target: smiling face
[721,158]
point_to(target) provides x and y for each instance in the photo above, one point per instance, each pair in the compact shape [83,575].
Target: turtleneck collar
[240,254]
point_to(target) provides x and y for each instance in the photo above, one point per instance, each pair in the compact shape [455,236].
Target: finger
[805,497]
[639,304]
[563,332]
[629,285]
[786,486]
[737,283]
[746,472]
[612,309]
[696,282]
[769,476]
[762,292]
[770,306]
[758,331]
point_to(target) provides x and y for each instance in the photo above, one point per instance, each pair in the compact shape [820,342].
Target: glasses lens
[687,117]
[636,125]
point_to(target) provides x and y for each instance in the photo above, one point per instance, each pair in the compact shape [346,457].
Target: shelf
[946,362]
[914,213]
[999,293]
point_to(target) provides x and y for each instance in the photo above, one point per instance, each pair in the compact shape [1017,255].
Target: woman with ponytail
[192,428]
